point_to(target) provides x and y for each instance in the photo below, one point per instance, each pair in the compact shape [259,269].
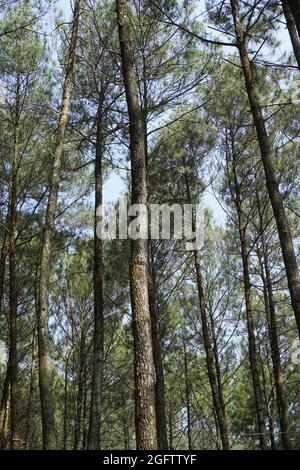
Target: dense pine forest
[178,327]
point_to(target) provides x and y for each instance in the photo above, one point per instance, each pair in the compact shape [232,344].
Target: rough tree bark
[4,410]
[48,424]
[283,227]
[291,26]
[144,363]
[295,9]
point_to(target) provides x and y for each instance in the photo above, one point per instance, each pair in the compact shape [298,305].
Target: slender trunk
[13,355]
[187,398]
[217,362]
[218,402]
[85,412]
[5,390]
[144,363]
[266,399]
[221,418]
[161,424]
[65,419]
[171,430]
[253,359]
[73,385]
[291,26]
[271,428]
[276,360]
[282,222]
[4,251]
[160,411]
[217,439]
[97,379]
[273,337]
[295,9]
[48,424]
[252,345]
[31,390]
[218,370]
[79,400]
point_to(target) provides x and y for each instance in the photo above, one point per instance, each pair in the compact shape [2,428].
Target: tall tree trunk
[253,359]
[291,26]
[5,441]
[85,411]
[267,400]
[282,222]
[13,355]
[161,422]
[187,398]
[252,345]
[277,369]
[80,393]
[65,419]
[5,390]
[31,390]
[217,361]
[271,428]
[217,401]
[273,336]
[217,395]
[295,9]
[48,424]
[144,363]
[4,409]
[160,411]
[97,379]
[4,251]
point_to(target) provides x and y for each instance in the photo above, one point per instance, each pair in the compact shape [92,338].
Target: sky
[114,186]
[65,5]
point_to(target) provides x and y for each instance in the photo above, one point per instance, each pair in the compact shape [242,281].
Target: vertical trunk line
[145,419]
[48,423]
[283,227]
